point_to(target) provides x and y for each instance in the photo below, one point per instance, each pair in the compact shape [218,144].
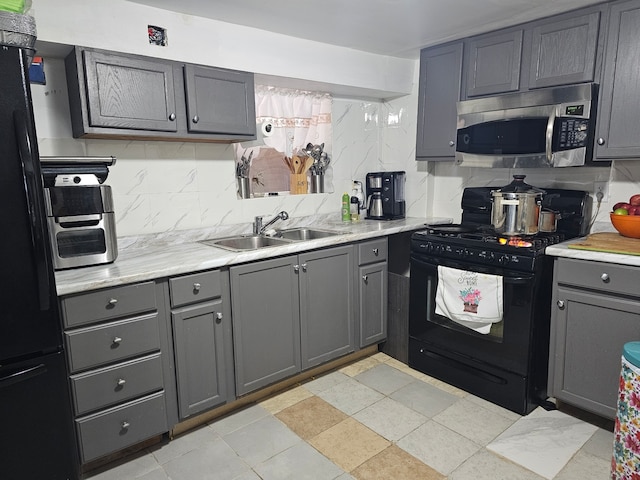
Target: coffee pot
[374,207]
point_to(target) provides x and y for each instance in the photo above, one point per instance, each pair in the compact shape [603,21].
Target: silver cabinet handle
[375,251]
[112,302]
[196,119]
[117,340]
[451,143]
[218,318]
[121,382]
[560,304]
[605,278]
[365,278]
[601,141]
[124,425]
[296,268]
[172,117]
[196,287]
[304,267]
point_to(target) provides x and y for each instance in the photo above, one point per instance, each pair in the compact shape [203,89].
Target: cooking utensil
[516,208]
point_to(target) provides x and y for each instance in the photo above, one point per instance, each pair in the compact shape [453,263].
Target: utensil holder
[317,183]
[244,187]
[298,183]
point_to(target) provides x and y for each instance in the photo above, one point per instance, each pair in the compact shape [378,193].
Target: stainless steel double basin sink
[239,243]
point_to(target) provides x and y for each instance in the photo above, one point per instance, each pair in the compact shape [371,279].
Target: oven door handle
[505,278]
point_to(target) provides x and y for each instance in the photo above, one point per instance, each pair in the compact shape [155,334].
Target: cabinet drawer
[372,251]
[119,383]
[94,346]
[197,287]
[108,303]
[600,276]
[122,426]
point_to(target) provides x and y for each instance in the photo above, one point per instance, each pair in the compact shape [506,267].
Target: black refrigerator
[37,437]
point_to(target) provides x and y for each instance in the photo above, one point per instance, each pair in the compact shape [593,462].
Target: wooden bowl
[626,225]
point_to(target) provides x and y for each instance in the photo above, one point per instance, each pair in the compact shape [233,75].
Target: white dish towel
[471,299]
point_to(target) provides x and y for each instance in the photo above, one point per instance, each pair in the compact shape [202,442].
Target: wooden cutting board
[609,242]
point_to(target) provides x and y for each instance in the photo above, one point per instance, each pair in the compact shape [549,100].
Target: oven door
[507,345]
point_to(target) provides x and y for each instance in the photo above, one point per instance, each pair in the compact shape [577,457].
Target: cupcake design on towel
[470,299]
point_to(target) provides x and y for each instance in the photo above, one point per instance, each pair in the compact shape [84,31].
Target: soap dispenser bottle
[346,214]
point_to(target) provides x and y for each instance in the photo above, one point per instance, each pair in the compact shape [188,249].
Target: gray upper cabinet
[439,90]
[492,63]
[219,101]
[326,305]
[564,51]
[123,92]
[120,95]
[266,322]
[618,128]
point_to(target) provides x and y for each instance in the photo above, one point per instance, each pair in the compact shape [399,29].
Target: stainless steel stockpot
[516,208]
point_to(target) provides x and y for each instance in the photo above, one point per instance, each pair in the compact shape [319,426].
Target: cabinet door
[199,346]
[589,333]
[493,63]
[440,77]
[618,131]
[326,305]
[266,322]
[373,286]
[132,93]
[564,51]
[219,101]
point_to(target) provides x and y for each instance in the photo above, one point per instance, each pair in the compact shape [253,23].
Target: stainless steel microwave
[551,127]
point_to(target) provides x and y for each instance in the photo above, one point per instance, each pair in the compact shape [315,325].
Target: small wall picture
[157,36]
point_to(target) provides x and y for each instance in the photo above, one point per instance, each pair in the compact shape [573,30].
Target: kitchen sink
[304,233]
[245,242]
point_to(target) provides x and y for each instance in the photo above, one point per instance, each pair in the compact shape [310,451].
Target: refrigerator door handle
[34,197]
[21,376]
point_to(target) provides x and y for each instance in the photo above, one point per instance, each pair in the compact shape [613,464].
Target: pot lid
[519,186]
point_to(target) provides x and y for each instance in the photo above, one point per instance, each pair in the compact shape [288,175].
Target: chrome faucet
[259,228]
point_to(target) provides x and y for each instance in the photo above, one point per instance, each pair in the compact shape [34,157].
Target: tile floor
[377,419]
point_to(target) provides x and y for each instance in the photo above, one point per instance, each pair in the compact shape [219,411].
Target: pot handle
[549,136]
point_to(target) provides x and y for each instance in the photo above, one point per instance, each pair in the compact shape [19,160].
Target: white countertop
[164,259]
[563,250]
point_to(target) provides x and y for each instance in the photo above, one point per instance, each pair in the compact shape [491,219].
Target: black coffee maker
[385,195]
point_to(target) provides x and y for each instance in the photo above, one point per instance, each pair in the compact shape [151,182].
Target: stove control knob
[77,179]
[491,257]
[605,278]
[466,253]
[560,304]
[503,260]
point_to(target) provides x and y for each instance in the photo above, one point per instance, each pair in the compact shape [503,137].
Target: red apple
[634,210]
[635,200]
[624,205]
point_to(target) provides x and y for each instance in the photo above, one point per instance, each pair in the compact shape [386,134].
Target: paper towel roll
[267,129]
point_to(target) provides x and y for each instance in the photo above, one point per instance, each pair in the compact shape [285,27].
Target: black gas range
[506,362]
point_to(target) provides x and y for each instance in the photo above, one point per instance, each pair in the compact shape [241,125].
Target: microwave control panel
[570,133]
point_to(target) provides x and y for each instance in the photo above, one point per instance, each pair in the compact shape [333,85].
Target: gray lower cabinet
[596,310]
[291,313]
[439,90]
[618,128]
[326,305]
[202,343]
[121,95]
[373,287]
[118,352]
[266,322]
